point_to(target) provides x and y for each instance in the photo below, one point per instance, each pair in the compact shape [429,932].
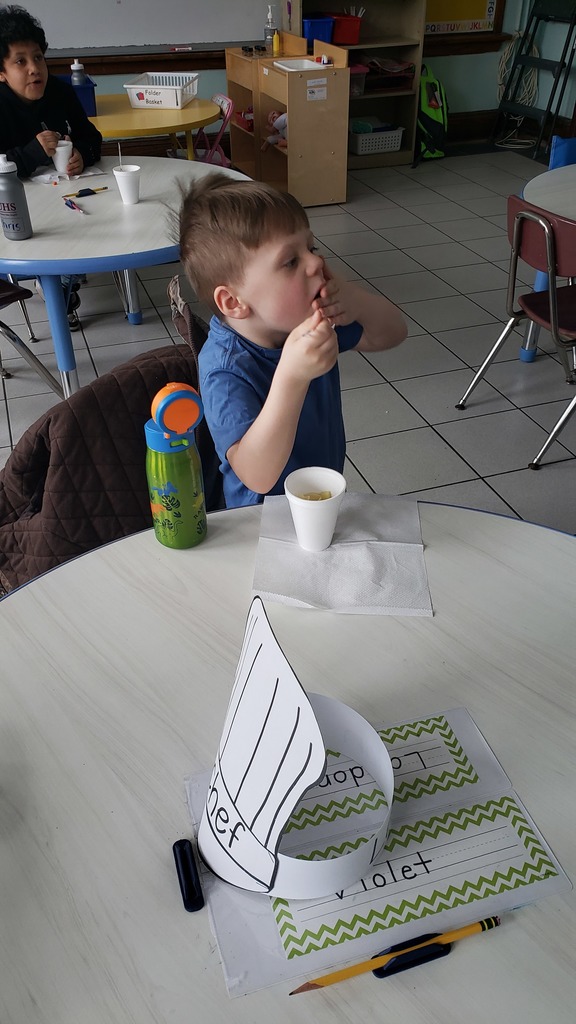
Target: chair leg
[126,282]
[4,373]
[31,359]
[489,358]
[31,334]
[22,304]
[535,464]
[567,360]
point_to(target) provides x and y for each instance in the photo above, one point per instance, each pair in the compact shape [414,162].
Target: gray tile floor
[433,239]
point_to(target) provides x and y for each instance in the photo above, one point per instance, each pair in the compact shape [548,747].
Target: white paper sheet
[374,566]
[460,847]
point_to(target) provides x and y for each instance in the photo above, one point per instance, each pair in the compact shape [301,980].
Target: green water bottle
[173,467]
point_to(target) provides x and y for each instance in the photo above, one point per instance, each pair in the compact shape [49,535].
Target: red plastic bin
[346,29]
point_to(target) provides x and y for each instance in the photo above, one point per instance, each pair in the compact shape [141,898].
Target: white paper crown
[272,750]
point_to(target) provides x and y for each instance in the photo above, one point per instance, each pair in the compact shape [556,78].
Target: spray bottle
[269,30]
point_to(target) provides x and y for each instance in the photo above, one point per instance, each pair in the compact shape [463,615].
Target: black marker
[188,875]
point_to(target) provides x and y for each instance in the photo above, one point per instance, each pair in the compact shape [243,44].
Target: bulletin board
[451,17]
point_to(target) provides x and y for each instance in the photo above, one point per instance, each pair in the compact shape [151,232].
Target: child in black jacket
[37,110]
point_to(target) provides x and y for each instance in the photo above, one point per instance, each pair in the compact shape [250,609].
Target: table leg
[528,347]
[127,284]
[189,145]
[61,338]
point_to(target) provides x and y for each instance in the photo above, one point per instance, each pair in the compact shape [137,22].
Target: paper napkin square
[375,564]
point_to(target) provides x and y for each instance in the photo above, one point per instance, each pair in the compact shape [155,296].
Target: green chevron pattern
[463,774]
[345,808]
[537,866]
[334,851]
[413,730]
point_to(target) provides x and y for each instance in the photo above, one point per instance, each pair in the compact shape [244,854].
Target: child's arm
[259,457]
[346,301]
[85,136]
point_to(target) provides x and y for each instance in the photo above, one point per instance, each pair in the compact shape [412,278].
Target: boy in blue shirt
[269,368]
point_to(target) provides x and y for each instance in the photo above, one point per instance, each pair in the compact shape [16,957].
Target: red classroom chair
[207,148]
[547,242]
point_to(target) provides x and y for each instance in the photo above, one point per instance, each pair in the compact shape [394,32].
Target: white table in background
[554,191]
[115,679]
[111,237]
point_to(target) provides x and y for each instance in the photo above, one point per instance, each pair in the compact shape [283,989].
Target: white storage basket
[159,89]
[375,142]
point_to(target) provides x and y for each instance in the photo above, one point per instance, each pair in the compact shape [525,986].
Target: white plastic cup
[128,181]
[314,521]
[62,155]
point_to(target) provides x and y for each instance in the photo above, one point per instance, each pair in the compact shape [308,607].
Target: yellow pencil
[381,961]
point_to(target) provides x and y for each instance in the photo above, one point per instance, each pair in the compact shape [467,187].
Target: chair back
[207,148]
[562,152]
[10,293]
[546,241]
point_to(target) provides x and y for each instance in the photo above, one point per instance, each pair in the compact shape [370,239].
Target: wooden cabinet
[242,87]
[389,29]
[313,165]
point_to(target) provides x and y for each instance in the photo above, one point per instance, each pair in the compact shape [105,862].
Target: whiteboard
[111,23]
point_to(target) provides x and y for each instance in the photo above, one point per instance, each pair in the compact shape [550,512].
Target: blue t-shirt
[235,378]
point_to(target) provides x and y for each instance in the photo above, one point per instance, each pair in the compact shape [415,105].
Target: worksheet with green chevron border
[487,857]
[434,759]
[460,847]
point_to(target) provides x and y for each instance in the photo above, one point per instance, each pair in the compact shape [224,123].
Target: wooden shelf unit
[313,166]
[242,87]
[390,28]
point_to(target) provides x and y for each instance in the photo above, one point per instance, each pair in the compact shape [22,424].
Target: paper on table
[375,564]
[43,177]
[460,847]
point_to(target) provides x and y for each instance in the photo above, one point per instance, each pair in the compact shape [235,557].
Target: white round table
[110,236]
[554,191]
[116,674]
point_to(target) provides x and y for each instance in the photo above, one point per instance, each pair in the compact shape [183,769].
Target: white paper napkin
[41,176]
[375,564]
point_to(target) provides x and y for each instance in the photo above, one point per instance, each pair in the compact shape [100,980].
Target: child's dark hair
[18,26]
[222,220]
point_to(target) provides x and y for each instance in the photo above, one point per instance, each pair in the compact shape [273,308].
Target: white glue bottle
[269,30]
[78,76]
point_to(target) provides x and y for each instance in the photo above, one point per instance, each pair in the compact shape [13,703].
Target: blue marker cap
[404,961]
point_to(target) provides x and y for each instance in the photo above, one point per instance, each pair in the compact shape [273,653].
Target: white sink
[297,64]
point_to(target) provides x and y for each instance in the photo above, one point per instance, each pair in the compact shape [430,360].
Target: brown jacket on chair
[76,479]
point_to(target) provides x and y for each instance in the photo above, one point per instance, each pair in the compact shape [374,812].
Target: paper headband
[273,749]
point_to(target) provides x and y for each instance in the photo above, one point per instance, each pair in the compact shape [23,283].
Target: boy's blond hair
[223,220]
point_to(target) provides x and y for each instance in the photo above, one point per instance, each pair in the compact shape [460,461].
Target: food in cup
[316,495]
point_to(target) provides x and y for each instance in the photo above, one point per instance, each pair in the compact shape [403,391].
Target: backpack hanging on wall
[432,124]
